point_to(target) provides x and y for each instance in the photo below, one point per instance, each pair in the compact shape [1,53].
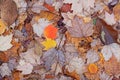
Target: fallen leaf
[4,70]
[72,74]
[51,56]
[116,11]
[2,26]
[93,68]
[76,64]
[48,15]
[30,57]
[107,34]
[50,32]
[92,56]
[8,12]
[66,7]
[49,76]
[109,50]
[5,42]
[16,75]
[79,28]
[112,67]
[49,43]
[25,67]
[49,7]
[39,27]
[109,18]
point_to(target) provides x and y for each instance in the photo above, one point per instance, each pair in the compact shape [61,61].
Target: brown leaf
[48,15]
[66,7]
[72,74]
[79,28]
[112,66]
[8,10]
[107,34]
[116,11]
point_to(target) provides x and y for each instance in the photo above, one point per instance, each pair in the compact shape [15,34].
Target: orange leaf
[49,7]
[50,32]
[92,68]
[49,76]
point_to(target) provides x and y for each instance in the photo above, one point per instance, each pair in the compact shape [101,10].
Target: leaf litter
[59,40]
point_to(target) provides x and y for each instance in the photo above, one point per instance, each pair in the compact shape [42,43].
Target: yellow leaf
[49,43]
[2,26]
[87,19]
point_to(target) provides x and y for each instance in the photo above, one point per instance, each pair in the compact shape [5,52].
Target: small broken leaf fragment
[49,7]
[2,26]
[92,68]
[5,42]
[50,32]
[49,43]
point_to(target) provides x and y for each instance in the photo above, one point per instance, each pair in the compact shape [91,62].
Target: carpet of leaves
[59,40]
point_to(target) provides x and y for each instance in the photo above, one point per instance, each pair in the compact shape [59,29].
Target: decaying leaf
[48,15]
[76,64]
[30,57]
[112,67]
[49,43]
[4,70]
[66,7]
[25,67]
[51,56]
[79,28]
[109,50]
[107,34]
[5,42]
[8,11]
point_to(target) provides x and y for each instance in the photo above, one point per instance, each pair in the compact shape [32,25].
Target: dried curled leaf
[79,28]
[8,10]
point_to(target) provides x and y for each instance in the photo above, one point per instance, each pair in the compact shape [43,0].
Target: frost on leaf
[4,70]
[51,56]
[109,18]
[25,67]
[76,64]
[5,42]
[79,28]
[109,50]
[39,27]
